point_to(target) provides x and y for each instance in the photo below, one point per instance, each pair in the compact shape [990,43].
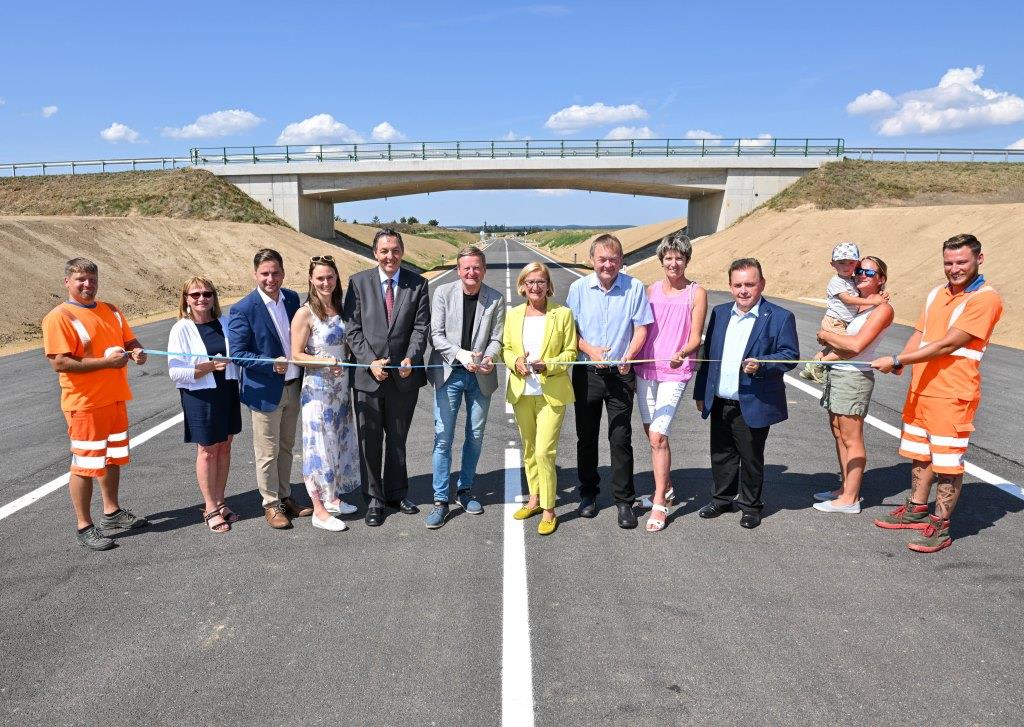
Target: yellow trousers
[539,425]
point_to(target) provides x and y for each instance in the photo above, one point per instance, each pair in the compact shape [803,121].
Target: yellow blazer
[559,346]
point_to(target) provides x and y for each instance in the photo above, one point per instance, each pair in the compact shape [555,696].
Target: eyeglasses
[201,294]
[535,283]
[866,272]
[322,259]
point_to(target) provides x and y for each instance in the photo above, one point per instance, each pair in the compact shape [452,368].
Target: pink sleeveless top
[667,335]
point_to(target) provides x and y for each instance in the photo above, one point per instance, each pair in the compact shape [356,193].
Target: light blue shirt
[384,284]
[736,336]
[607,319]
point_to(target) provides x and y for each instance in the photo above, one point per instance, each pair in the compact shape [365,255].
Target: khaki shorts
[833,324]
[848,393]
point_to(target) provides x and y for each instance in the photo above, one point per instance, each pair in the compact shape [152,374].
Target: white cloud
[386,132]
[2,101]
[118,132]
[319,129]
[871,103]
[761,140]
[630,132]
[48,111]
[710,137]
[1019,144]
[553,192]
[513,136]
[957,102]
[575,117]
[219,123]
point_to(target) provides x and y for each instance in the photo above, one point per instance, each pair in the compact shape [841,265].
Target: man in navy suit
[259,328]
[742,390]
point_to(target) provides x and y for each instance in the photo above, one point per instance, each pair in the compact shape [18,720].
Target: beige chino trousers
[273,439]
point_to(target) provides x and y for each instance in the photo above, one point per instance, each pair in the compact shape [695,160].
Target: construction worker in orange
[945,352]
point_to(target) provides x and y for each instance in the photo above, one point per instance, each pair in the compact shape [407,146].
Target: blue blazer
[251,334]
[763,395]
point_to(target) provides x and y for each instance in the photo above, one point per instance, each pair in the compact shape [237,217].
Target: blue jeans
[447,400]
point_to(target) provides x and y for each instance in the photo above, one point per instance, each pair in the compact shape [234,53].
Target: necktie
[389,299]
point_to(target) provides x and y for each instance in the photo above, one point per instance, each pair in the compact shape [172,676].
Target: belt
[728,401]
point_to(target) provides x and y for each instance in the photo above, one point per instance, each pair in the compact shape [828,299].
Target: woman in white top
[848,387]
[209,393]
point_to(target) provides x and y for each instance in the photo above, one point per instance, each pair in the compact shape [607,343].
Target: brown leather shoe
[276,517]
[293,509]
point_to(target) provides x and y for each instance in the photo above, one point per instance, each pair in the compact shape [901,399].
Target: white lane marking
[972,469]
[516,662]
[53,485]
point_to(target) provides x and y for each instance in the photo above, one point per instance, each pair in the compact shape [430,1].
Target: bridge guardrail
[74,166]
[881,153]
[561,148]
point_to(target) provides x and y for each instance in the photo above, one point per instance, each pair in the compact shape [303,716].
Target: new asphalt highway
[810,619]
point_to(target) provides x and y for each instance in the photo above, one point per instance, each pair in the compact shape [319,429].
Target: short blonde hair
[533,267]
[183,307]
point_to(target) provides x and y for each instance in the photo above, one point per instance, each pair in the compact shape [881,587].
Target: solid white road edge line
[55,484]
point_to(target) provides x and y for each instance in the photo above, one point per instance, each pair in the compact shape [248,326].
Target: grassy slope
[561,238]
[181,193]
[849,184]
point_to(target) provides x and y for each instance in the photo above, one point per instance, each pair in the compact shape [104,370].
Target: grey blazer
[446,332]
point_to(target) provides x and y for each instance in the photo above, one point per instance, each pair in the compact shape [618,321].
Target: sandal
[655,526]
[647,501]
[228,513]
[222,527]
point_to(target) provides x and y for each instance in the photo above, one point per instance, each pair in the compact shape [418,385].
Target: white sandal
[656,526]
[647,501]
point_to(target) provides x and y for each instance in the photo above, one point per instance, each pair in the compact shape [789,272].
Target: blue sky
[114,79]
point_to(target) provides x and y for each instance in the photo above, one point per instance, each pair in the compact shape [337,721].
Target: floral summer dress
[330,451]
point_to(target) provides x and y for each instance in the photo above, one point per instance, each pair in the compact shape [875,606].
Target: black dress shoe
[627,518]
[405,506]
[750,520]
[714,510]
[374,516]
[588,507]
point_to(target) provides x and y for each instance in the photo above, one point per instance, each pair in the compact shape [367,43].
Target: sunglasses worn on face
[201,294]
[322,259]
[866,272]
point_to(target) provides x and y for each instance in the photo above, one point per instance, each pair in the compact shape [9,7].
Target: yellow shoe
[546,527]
[527,512]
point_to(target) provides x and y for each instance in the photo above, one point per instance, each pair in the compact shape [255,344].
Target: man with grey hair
[88,343]
[466,322]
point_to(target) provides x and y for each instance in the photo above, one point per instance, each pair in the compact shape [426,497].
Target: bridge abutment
[282,195]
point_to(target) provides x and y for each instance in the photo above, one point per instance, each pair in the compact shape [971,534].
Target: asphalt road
[809,619]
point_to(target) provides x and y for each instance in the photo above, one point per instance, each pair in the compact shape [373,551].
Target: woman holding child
[848,386]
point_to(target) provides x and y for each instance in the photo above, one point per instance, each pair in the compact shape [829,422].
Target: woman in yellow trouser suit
[538,336]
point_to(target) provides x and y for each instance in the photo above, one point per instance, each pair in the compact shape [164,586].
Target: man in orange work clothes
[946,350]
[89,343]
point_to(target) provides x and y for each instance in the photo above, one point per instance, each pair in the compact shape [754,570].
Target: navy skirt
[211,415]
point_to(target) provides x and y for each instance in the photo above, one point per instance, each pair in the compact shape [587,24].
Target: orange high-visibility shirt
[87,333]
[975,311]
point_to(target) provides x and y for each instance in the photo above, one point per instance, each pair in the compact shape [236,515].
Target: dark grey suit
[384,409]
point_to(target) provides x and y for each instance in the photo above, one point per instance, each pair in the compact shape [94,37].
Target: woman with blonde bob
[209,393]
[539,339]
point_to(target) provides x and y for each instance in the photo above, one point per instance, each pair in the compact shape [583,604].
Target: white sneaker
[830,506]
[333,524]
[340,508]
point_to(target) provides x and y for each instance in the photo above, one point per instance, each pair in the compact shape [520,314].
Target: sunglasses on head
[201,294]
[322,259]
[866,272]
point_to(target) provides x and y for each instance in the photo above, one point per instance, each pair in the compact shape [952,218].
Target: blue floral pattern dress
[330,451]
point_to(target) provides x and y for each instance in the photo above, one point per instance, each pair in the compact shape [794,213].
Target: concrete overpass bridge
[723,179]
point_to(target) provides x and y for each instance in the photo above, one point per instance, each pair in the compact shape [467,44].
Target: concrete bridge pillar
[282,195]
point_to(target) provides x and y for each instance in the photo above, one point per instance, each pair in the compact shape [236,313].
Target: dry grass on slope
[850,184]
[423,252]
[794,248]
[193,194]
[143,263]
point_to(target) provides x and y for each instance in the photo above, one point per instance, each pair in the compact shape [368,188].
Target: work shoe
[294,509]
[92,539]
[933,538]
[469,503]
[276,517]
[437,516]
[907,515]
[122,520]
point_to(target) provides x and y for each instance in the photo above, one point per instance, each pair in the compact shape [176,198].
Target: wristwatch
[896,362]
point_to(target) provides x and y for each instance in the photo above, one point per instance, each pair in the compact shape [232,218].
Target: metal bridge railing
[873,153]
[528,149]
[94,165]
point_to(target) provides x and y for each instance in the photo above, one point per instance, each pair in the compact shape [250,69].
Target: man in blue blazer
[260,327]
[742,390]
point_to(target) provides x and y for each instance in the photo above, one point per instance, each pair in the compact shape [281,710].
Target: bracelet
[896,362]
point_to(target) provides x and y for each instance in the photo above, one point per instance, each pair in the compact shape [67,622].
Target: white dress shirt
[736,336]
[279,315]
